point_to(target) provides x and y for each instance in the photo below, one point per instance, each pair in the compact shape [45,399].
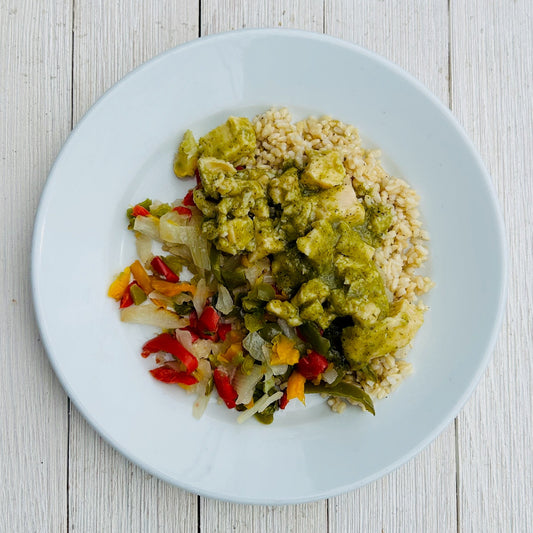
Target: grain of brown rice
[404,248]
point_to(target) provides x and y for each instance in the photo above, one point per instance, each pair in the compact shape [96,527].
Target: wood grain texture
[107,492]
[35,63]
[225,15]
[220,517]
[94,488]
[420,496]
[492,95]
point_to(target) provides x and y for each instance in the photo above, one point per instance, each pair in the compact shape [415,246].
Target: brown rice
[404,248]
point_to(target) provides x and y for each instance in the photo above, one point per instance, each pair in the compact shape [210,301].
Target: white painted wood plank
[225,15]
[107,492]
[492,95]
[35,58]
[219,517]
[420,496]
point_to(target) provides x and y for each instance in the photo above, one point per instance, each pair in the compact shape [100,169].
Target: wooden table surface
[56,58]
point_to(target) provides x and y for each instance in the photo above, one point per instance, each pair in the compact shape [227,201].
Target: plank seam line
[328,527]
[72,67]
[456,421]
[199,18]
[71,127]
[450,100]
[457,477]
[198,497]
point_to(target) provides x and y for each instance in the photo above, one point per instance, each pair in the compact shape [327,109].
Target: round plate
[121,153]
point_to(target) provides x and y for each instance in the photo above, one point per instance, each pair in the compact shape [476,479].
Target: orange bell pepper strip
[172,289]
[141,276]
[295,387]
[119,285]
[284,352]
[230,353]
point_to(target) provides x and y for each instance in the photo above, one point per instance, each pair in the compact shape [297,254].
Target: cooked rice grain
[403,250]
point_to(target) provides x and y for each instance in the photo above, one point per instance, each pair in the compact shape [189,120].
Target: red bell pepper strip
[197,327]
[223,330]
[194,335]
[312,365]
[169,375]
[209,320]
[167,343]
[198,178]
[239,167]
[189,199]
[283,401]
[224,388]
[183,211]
[127,298]
[193,320]
[163,270]
[139,210]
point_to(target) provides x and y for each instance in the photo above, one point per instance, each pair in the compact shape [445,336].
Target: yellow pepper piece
[118,287]
[230,353]
[141,277]
[234,336]
[172,289]
[295,387]
[284,352]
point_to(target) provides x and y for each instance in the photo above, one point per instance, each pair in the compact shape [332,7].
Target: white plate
[121,152]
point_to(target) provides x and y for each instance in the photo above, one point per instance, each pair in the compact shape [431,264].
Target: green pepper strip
[270,331]
[265,418]
[233,278]
[264,292]
[173,263]
[249,304]
[344,390]
[214,259]
[137,294]
[253,321]
[160,210]
[312,335]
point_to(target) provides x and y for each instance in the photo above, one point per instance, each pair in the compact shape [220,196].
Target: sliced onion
[185,339]
[224,301]
[172,231]
[254,271]
[286,329]
[154,295]
[151,315]
[253,342]
[200,404]
[203,348]
[200,297]
[181,251]
[279,370]
[259,406]
[144,248]
[245,384]
[202,399]
[330,375]
[148,226]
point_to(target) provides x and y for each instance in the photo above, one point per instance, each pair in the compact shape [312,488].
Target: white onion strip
[259,406]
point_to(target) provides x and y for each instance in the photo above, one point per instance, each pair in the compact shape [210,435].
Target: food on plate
[289,269]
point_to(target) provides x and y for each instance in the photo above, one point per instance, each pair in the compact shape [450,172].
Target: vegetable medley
[262,281]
